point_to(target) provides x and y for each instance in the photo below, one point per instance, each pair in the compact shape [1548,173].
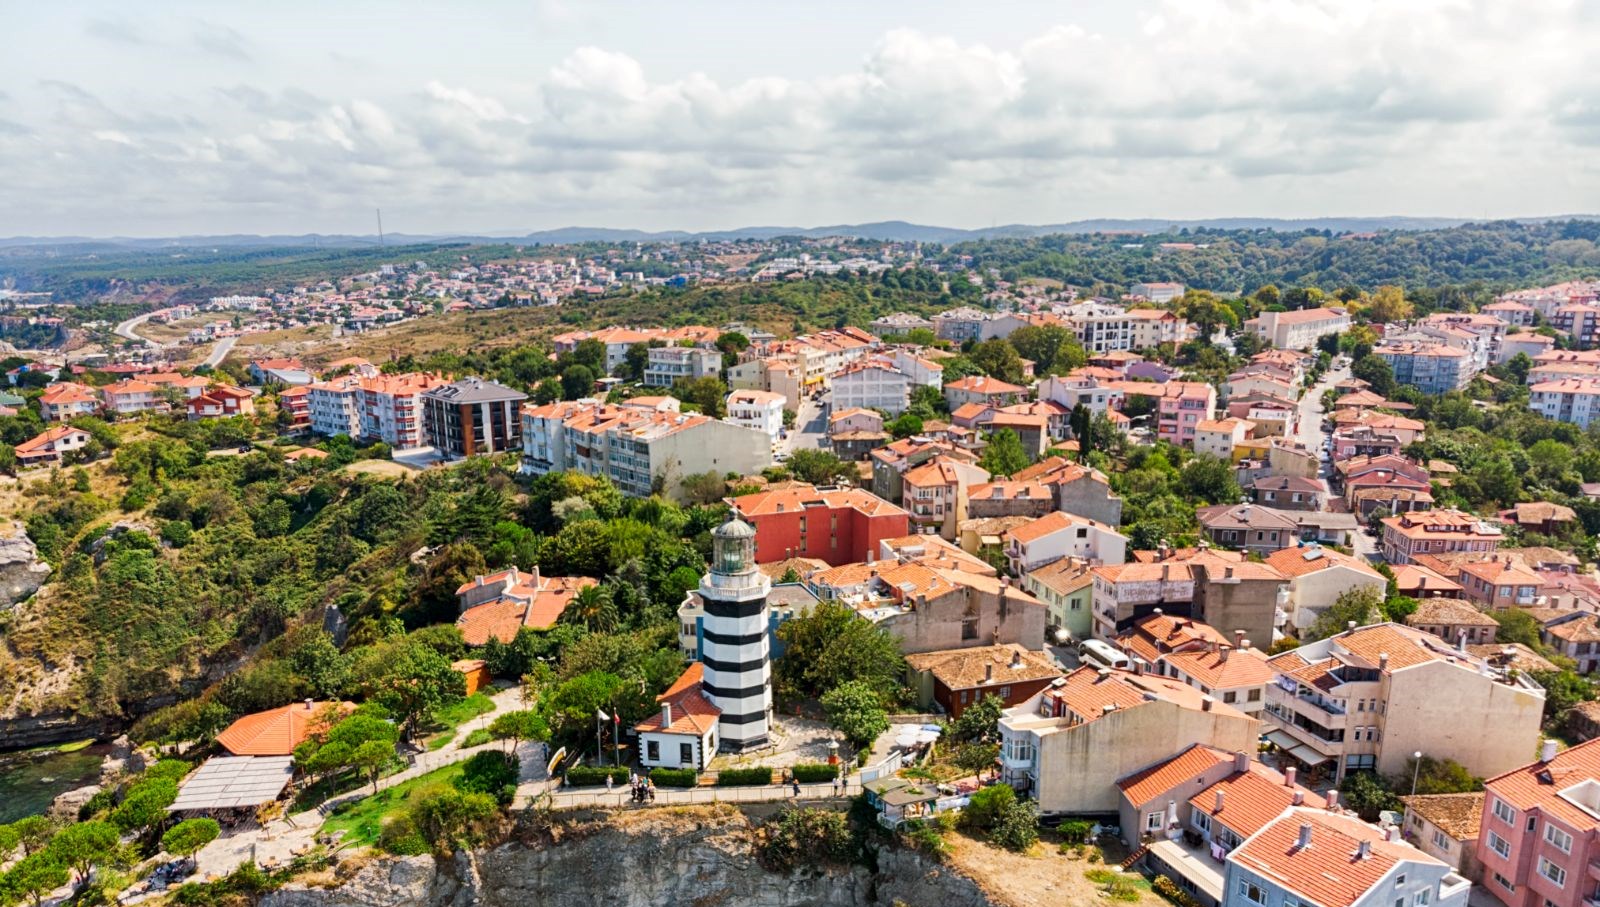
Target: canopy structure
[1283,740]
[231,782]
[1309,756]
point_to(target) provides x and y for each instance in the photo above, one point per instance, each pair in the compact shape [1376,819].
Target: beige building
[1068,746]
[1317,577]
[1368,698]
[1445,827]
[936,605]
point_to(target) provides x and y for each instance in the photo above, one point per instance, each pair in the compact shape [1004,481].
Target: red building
[836,525]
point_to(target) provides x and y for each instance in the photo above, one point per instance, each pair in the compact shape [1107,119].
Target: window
[685,754]
[1154,821]
[1553,872]
[1230,696]
[1399,880]
[1504,882]
[1504,812]
[1559,838]
[1252,892]
[1442,840]
[1255,695]
[652,750]
[1499,845]
[1202,821]
[1422,897]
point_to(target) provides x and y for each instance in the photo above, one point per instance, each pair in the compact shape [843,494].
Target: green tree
[518,726]
[818,467]
[33,877]
[412,682]
[856,710]
[1368,793]
[1363,605]
[1206,312]
[33,833]
[577,381]
[833,644]
[1017,828]
[1517,626]
[979,721]
[79,847]
[709,394]
[997,359]
[145,804]
[188,836]
[904,426]
[449,818]
[1376,372]
[1563,690]
[1211,479]
[1004,454]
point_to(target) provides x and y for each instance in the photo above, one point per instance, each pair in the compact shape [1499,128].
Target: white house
[872,385]
[666,364]
[1057,535]
[683,733]
[757,409]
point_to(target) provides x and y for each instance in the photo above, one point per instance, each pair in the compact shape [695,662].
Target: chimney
[1297,798]
[1206,702]
[1349,626]
[1222,652]
[1383,661]
[1363,849]
[1332,796]
[1547,750]
[1227,572]
[1288,776]
[1304,840]
[666,715]
[308,703]
[1218,807]
[1241,762]
[1461,640]
[988,672]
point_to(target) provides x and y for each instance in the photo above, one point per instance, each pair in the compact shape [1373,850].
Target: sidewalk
[675,796]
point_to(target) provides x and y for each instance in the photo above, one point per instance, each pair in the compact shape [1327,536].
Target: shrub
[1122,889]
[807,837]
[447,818]
[927,837]
[589,775]
[1169,889]
[478,737]
[489,772]
[1017,827]
[814,772]
[189,836]
[987,805]
[400,837]
[1092,855]
[736,777]
[1075,831]
[1099,876]
[673,777]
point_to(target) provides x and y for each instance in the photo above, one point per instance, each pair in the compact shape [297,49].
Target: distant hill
[892,230]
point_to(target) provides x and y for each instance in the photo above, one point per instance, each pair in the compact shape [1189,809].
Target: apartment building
[392,410]
[1454,620]
[980,389]
[960,325]
[1580,321]
[1513,314]
[617,340]
[1068,746]
[132,396]
[1312,856]
[1574,400]
[1100,394]
[1539,833]
[1058,535]
[891,462]
[1181,407]
[473,416]
[1432,368]
[666,365]
[1317,576]
[296,403]
[872,385]
[1298,330]
[921,371]
[1160,291]
[899,323]
[1249,527]
[836,525]
[760,410]
[935,493]
[928,606]
[1221,438]
[1197,654]
[1366,699]
[1406,535]
[336,407]
[642,449]
[1067,589]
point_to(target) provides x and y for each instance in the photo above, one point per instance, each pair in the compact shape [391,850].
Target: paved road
[126,329]
[1310,432]
[810,427]
[220,351]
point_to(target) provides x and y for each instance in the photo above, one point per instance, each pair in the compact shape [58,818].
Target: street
[1310,432]
[220,351]
[810,427]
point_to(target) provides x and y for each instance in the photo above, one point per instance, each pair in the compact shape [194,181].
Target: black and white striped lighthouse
[735,650]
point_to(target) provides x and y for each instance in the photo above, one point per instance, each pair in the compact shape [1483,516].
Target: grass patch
[362,820]
[442,729]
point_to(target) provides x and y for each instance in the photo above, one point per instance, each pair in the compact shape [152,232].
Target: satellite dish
[555,762]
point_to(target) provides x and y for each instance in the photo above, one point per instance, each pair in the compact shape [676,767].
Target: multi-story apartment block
[392,410]
[761,410]
[617,340]
[1432,368]
[473,416]
[132,395]
[936,493]
[1096,393]
[872,385]
[921,371]
[666,365]
[1539,834]
[642,449]
[1581,322]
[1406,535]
[336,407]
[1067,746]
[1574,400]
[899,323]
[960,325]
[1181,407]
[1298,330]
[1312,856]
[1366,699]
[295,401]
[836,525]
[1149,328]
[1514,314]
[1157,291]
[1201,656]
[66,400]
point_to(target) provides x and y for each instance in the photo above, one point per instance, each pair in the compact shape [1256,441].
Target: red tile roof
[1329,872]
[277,732]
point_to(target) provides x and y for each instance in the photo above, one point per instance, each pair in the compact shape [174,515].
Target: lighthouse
[735,652]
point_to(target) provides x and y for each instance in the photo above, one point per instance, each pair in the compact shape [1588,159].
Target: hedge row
[590,775]
[735,777]
[813,772]
[673,777]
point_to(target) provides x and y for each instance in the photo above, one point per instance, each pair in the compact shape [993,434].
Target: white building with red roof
[65,400]
[683,732]
[48,447]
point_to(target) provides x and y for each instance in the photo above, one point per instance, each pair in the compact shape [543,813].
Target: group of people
[641,789]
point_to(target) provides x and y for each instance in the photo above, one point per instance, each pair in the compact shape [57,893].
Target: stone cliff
[687,857]
[21,570]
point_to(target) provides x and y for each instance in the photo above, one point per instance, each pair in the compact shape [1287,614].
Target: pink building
[1183,405]
[1539,836]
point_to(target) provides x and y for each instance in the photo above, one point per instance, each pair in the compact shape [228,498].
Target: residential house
[285,371]
[1290,492]
[1575,635]
[891,462]
[835,525]
[936,492]
[295,402]
[1249,527]
[760,410]
[1298,330]
[1406,535]
[1317,577]
[1067,746]
[1067,589]
[1010,498]
[50,446]
[981,389]
[131,396]
[65,400]
[1539,833]
[1079,489]
[667,365]
[1058,535]
[1543,517]
[1155,291]
[1270,416]
[1419,582]
[872,385]
[1453,620]
[1311,856]
[496,606]
[1200,656]
[1180,408]
[957,678]
[1367,698]
[224,401]
[1446,827]
[682,733]
[929,607]
[1221,438]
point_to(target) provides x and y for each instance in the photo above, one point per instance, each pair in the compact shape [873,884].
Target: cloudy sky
[157,118]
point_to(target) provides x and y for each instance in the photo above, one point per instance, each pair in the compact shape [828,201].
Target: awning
[227,782]
[1308,756]
[1283,740]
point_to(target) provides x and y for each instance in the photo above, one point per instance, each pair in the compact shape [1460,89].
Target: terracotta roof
[1580,629]
[502,618]
[276,732]
[1088,691]
[1292,562]
[1244,516]
[796,498]
[1329,872]
[1540,784]
[1415,578]
[1540,512]
[1403,645]
[1252,799]
[1145,573]
[1452,611]
[47,438]
[1054,521]
[1226,669]
[66,392]
[1457,815]
[1144,785]
[1064,576]
[1511,655]
[979,384]
[965,669]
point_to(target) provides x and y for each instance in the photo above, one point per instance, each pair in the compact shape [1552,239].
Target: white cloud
[1198,107]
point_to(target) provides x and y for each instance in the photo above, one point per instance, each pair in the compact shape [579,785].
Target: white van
[1097,654]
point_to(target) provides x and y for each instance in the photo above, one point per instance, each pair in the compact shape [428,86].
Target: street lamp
[1416,757]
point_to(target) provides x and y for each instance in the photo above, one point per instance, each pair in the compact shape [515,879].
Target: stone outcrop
[657,858]
[21,570]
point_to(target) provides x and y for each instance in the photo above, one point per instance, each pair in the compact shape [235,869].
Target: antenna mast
[380,227]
